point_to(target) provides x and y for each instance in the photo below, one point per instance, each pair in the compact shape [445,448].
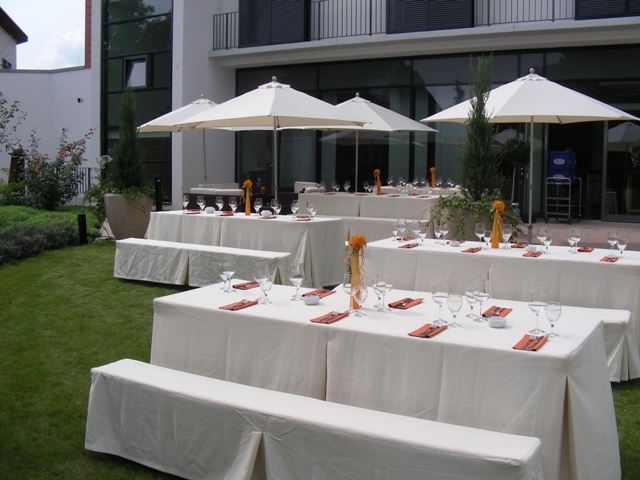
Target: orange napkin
[532,254]
[246,286]
[609,259]
[520,245]
[399,304]
[502,313]
[361,194]
[409,245]
[394,195]
[270,216]
[192,212]
[422,196]
[525,342]
[427,328]
[472,250]
[321,292]
[302,219]
[330,317]
[226,214]
[239,305]
[585,249]
[329,193]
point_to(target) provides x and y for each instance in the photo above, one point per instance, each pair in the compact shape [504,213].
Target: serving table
[468,376]
[317,244]
[572,279]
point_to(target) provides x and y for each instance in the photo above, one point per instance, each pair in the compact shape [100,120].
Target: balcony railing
[85,182]
[492,12]
[347,18]
[225,31]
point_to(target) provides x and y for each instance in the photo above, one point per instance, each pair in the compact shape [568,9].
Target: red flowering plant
[52,182]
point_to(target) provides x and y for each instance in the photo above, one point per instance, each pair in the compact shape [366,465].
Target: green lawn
[62,313]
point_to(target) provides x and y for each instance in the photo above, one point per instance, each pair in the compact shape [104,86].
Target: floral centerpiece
[245,197]
[376,175]
[433,177]
[496,232]
[355,262]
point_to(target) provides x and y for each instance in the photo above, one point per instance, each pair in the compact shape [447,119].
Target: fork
[240,304]
[404,302]
[429,330]
[329,317]
[532,339]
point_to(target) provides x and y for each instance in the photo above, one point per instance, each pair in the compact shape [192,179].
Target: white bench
[189,264]
[199,427]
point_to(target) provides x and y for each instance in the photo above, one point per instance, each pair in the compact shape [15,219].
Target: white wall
[7,48]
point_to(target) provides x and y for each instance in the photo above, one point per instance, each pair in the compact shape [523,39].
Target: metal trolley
[563,197]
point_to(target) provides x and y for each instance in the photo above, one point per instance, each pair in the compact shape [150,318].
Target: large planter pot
[127,218]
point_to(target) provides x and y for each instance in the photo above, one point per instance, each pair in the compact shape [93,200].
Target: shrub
[23,242]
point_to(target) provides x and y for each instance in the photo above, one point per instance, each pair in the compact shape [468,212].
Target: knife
[532,339]
[404,302]
[535,343]
[426,332]
[493,312]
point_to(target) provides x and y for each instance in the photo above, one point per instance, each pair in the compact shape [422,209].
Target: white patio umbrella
[621,136]
[379,119]
[276,106]
[534,99]
[168,122]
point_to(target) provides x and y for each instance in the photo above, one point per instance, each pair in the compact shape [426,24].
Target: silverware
[329,317]
[432,328]
[531,339]
[239,304]
[492,313]
[535,343]
[404,302]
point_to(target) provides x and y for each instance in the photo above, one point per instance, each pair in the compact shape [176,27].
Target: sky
[55,29]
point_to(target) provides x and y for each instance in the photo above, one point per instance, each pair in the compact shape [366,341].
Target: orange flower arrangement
[498,206]
[246,196]
[433,177]
[376,174]
[355,260]
[496,233]
[357,242]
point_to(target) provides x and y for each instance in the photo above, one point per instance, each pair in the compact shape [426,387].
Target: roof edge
[12,28]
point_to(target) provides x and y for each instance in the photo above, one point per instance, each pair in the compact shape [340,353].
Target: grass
[61,314]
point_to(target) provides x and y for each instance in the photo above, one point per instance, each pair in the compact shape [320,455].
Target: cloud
[62,49]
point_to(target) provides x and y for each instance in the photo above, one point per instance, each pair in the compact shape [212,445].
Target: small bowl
[497,322]
[311,299]
[266,213]
[454,243]
[531,248]
[210,210]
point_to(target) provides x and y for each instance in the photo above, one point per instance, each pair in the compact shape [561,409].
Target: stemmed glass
[402,226]
[547,242]
[294,206]
[471,300]
[439,182]
[479,291]
[361,297]
[275,206]
[347,186]
[622,244]
[612,239]
[422,233]
[487,239]
[264,279]
[542,235]
[311,208]
[507,230]
[394,231]
[572,243]
[257,205]
[537,304]
[185,202]
[365,186]
[437,232]
[444,229]
[378,293]
[480,232]
[384,286]
[335,185]
[390,181]
[454,302]
[371,186]
[415,228]
[296,276]
[233,203]
[553,312]
[201,203]
[440,295]
[220,203]
[576,234]
[228,269]
[350,290]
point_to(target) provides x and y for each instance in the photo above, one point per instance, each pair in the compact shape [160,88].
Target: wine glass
[185,202]
[487,239]
[275,206]
[612,239]
[444,229]
[415,228]
[542,235]
[422,233]
[437,232]
[572,243]
[390,181]
[233,203]
[311,208]
[622,244]
[296,276]
[439,182]
[553,312]
[350,290]
[335,186]
[371,187]
[257,205]
[440,295]
[365,186]
[347,186]
[537,304]
[402,226]
[216,269]
[378,293]
[480,232]
[481,294]
[294,206]
[547,242]
[454,302]
[228,269]
[576,233]
[449,183]
[262,276]
[394,231]
[201,203]
[361,297]
[384,285]
[220,203]
[507,230]
[471,300]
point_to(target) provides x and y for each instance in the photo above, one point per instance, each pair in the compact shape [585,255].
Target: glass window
[161,70]
[114,75]
[118,10]
[142,36]
[380,73]
[531,60]
[137,72]
[302,78]
[610,63]
[441,70]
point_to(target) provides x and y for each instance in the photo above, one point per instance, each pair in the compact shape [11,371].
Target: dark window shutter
[254,22]
[289,21]
[634,7]
[406,16]
[445,14]
[586,9]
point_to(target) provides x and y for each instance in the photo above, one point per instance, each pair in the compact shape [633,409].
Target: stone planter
[127,218]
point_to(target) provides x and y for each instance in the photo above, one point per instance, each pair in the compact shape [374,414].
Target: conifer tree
[127,168]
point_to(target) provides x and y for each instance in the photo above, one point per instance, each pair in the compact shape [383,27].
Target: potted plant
[127,202]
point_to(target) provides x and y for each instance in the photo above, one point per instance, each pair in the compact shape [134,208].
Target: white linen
[198,427]
[151,261]
[336,204]
[423,191]
[468,376]
[176,226]
[216,191]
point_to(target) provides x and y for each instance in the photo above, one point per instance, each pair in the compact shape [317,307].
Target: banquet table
[469,376]
[572,279]
[317,244]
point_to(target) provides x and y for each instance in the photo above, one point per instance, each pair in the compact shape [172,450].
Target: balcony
[272,22]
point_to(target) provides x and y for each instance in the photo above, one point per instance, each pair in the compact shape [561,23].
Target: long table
[317,244]
[468,376]
[572,279]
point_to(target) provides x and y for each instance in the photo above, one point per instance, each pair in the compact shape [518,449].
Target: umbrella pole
[204,155]
[530,226]
[356,162]
[275,159]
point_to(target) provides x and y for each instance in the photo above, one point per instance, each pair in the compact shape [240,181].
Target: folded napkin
[361,194]
[406,303]
[308,219]
[530,345]
[585,249]
[422,196]
[226,214]
[427,331]
[497,312]
[520,245]
[409,245]
[239,305]
[321,292]
[472,250]
[532,254]
[246,285]
[267,218]
[330,317]
[329,193]
[192,211]
[609,259]
[394,195]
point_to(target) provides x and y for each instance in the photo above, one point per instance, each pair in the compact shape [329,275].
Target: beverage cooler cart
[563,196]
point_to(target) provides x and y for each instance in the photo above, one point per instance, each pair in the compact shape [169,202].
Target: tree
[480,177]
[10,117]
[515,154]
[126,168]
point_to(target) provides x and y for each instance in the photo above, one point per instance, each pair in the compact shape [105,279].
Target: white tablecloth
[317,244]
[468,376]
[572,279]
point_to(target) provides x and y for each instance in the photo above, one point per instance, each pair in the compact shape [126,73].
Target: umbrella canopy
[621,136]
[276,106]
[534,99]
[169,122]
